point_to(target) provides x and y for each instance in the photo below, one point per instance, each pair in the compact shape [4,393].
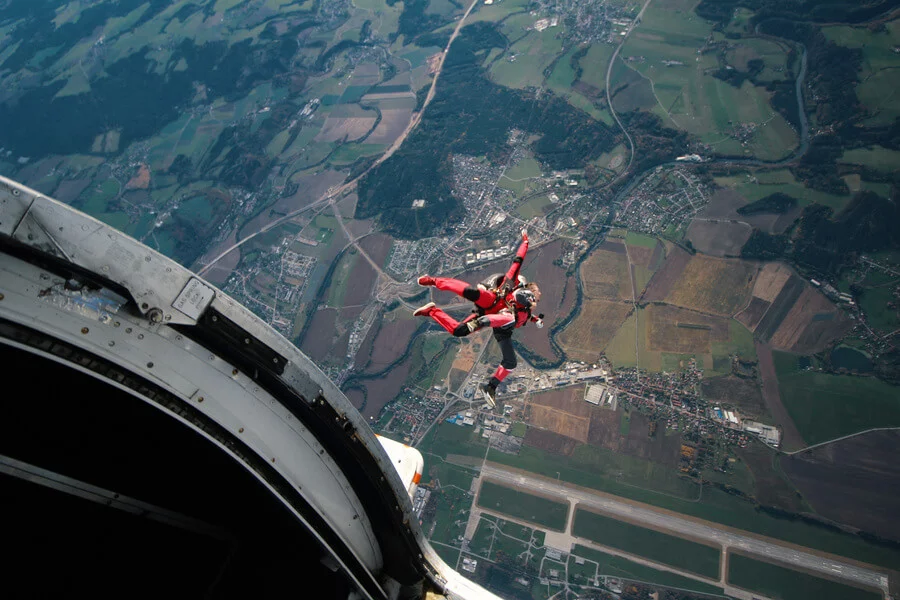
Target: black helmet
[524,298]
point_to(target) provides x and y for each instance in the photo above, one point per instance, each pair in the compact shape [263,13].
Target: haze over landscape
[711,191]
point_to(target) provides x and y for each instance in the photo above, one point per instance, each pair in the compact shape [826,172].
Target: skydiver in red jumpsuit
[504,308]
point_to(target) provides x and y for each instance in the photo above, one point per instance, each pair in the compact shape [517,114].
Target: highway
[700,530]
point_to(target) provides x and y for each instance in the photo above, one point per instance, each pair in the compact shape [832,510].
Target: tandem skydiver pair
[504,303]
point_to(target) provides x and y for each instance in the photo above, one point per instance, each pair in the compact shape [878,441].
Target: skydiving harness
[501,293]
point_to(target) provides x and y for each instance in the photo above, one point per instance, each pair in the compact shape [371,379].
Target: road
[609,68]
[832,567]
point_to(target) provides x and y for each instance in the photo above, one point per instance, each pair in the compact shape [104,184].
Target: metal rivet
[2,296]
[275,360]
[241,430]
[273,460]
[116,324]
[147,258]
[145,306]
[111,343]
[200,399]
[246,340]
[128,330]
[149,365]
[215,318]
[140,336]
[15,192]
[234,371]
[84,330]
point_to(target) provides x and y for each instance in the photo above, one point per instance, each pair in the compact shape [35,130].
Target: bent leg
[481,298]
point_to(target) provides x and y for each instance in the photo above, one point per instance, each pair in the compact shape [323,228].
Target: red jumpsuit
[496,309]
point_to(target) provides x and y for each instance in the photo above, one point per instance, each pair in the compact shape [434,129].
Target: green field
[533,207]
[660,547]
[620,349]
[615,566]
[740,342]
[879,83]
[782,583]
[537,510]
[638,239]
[524,63]
[688,97]
[825,406]
[874,303]
[876,157]
[451,514]
[761,184]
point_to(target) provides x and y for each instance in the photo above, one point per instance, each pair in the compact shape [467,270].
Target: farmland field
[594,328]
[759,184]
[714,285]
[688,97]
[786,584]
[657,546]
[605,273]
[853,481]
[535,509]
[825,406]
[616,566]
[563,412]
[878,81]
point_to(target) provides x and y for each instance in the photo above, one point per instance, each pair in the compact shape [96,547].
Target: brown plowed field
[351,128]
[721,238]
[558,295]
[383,389]
[753,314]
[549,442]
[390,342]
[377,246]
[318,339]
[604,433]
[593,328]
[853,481]
[673,329]
[770,487]
[562,411]
[393,122]
[614,246]
[665,279]
[714,285]
[724,204]
[605,275]
[743,394]
[770,280]
[812,312]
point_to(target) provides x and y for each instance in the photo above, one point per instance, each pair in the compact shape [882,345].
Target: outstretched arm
[513,274]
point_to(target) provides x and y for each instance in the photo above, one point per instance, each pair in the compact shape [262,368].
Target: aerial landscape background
[711,192]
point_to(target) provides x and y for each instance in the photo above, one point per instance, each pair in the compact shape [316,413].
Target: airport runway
[710,533]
